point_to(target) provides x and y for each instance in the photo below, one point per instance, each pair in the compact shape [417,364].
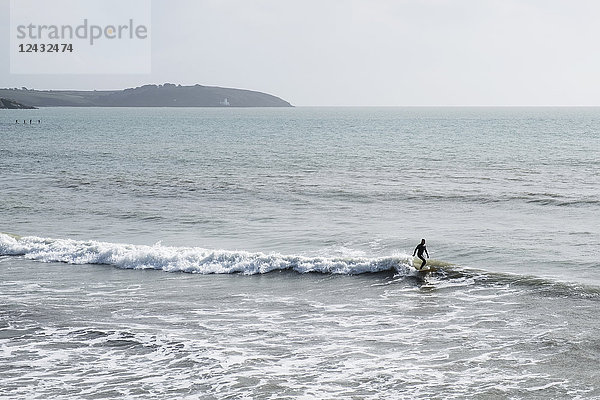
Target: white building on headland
[225,102]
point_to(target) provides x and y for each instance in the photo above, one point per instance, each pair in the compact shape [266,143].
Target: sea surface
[267,253]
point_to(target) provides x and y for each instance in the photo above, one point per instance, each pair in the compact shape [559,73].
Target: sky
[364,52]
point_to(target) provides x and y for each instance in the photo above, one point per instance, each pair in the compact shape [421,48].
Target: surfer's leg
[423,263]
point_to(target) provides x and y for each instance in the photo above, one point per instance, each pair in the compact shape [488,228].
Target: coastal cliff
[167,95]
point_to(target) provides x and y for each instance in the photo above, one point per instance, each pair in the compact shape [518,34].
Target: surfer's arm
[427,253]
[415,252]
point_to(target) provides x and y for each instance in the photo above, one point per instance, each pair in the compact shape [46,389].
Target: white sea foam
[189,259]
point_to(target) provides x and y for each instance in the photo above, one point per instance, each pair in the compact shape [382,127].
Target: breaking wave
[189,259]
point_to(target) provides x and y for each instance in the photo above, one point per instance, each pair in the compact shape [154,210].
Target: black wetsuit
[419,250]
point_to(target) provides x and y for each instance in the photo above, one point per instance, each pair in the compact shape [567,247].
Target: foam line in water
[189,259]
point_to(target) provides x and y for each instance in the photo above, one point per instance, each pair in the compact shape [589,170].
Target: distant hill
[13,105]
[167,95]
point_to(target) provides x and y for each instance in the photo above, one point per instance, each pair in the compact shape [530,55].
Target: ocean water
[267,253]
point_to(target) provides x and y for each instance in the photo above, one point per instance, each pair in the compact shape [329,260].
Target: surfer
[419,250]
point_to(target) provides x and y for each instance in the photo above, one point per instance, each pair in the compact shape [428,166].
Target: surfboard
[426,268]
[431,266]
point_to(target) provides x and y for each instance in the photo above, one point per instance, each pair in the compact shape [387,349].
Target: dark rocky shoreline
[13,105]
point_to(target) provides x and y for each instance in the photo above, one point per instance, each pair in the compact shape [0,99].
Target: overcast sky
[366,52]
